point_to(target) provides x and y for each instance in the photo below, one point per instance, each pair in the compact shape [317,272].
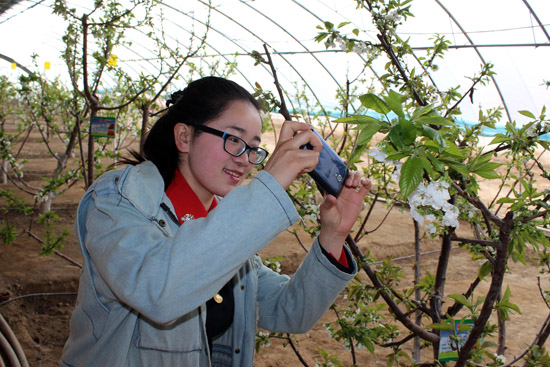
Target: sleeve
[294,304]
[342,263]
[165,277]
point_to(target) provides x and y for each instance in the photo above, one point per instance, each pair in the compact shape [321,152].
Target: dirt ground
[41,322]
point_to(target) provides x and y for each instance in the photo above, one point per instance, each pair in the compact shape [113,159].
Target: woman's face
[207,167]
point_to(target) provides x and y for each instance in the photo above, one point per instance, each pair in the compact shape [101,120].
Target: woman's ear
[182,136]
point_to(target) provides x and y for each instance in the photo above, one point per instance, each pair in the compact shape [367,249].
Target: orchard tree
[426,161]
[8,107]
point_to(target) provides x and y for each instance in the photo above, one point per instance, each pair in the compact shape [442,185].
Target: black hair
[201,101]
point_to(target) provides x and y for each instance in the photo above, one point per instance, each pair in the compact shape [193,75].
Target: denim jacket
[145,281]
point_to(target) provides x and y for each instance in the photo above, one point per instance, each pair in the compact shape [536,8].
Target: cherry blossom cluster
[433,196]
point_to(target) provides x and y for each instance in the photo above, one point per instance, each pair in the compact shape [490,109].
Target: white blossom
[436,196]
[430,228]
[396,174]
[430,217]
[394,16]
[500,358]
[417,216]
[532,130]
[378,155]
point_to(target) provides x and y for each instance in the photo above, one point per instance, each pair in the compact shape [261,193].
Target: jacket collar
[143,186]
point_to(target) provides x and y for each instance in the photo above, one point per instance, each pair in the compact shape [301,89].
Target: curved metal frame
[306,50]
[479,55]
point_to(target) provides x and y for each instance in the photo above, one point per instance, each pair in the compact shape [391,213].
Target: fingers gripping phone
[331,171]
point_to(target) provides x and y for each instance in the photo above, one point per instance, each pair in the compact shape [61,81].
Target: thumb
[329,202]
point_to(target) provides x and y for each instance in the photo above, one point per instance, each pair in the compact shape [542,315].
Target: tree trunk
[4,172]
[499,269]
[91,158]
[417,293]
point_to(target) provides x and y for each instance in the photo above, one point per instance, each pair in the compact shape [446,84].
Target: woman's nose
[242,159]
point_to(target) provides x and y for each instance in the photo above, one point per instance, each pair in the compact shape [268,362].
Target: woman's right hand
[288,161]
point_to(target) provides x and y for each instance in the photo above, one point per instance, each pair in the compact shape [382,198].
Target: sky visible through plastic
[511,34]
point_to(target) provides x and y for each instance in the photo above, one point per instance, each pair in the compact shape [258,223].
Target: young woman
[171,275]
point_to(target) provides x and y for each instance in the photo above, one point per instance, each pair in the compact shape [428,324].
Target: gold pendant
[218,298]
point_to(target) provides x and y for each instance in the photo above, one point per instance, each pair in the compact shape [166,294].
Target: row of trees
[97,88]
[424,161]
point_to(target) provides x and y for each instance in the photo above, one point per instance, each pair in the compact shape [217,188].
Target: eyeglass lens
[236,146]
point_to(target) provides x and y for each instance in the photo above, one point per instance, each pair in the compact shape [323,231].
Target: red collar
[186,203]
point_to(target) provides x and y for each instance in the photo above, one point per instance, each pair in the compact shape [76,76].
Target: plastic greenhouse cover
[511,34]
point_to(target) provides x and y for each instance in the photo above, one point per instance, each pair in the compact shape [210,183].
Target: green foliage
[327,359]
[54,239]
[273,263]
[15,202]
[263,339]
[504,307]
[8,233]
[537,357]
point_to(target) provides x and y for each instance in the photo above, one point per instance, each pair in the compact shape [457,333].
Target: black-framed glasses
[236,146]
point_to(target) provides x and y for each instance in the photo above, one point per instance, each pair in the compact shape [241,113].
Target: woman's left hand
[338,215]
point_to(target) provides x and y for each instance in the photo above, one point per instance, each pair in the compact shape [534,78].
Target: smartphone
[331,171]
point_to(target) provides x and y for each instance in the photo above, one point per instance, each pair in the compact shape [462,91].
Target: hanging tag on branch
[102,127]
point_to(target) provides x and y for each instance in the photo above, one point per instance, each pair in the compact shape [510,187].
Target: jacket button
[162,223]
[242,287]
[237,350]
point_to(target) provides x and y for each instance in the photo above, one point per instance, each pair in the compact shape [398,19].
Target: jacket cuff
[342,263]
[332,264]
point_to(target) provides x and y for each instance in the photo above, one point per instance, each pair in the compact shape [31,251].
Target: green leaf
[491,175]
[527,114]
[358,119]
[411,175]
[394,101]
[457,166]
[398,156]
[460,298]
[499,138]
[484,168]
[452,149]
[402,134]
[435,120]
[434,135]
[440,167]
[375,103]
[422,111]
[426,164]
[485,269]
[368,132]
[356,154]
[506,200]
[368,344]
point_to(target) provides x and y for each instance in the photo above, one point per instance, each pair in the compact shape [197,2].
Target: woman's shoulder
[140,184]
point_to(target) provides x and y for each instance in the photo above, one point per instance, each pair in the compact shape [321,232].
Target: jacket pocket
[184,335]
